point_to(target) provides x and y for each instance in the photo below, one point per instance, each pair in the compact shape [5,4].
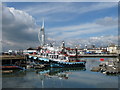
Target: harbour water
[61,77]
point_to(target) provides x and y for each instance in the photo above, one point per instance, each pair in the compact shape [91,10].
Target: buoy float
[101,59]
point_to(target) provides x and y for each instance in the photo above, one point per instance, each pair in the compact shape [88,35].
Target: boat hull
[56,64]
[10,67]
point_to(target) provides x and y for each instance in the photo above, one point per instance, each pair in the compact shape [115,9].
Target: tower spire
[43,24]
[41,35]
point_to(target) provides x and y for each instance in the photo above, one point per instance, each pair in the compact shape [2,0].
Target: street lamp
[63,47]
[85,48]
[63,44]
[93,46]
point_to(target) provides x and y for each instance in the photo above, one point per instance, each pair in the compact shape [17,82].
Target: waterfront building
[118,50]
[95,51]
[112,49]
[30,51]
[10,51]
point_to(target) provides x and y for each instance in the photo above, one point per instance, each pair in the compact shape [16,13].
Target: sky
[77,23]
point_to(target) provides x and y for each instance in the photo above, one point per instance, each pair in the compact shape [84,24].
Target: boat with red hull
[10,67]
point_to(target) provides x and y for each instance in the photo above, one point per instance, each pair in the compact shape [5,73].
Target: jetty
[17,60]
[109,67]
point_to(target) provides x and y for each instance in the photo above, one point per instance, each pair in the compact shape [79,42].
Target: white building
[30,51]
[113,49]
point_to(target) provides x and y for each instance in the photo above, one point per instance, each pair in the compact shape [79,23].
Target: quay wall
[18,57]
[11,59]
[99,55]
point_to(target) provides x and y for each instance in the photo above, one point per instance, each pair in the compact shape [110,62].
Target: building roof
[31,48]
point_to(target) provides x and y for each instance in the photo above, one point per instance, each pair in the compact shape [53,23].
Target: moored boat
[65,61]
[10,67]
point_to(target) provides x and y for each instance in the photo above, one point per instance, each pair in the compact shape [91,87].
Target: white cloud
[50,39]
[97,7]
[71,34]
[51,11]
[107,21]
[100,25]
[98,41]
[18,29]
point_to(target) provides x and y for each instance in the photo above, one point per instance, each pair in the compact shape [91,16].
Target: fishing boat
[66,61]
[59,62]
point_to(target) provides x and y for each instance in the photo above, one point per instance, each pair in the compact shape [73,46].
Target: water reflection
[61,77]
[61,73]
[17,73]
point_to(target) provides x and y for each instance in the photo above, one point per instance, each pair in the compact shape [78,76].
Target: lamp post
[93,46]
[63,47]
[85,49]
[63,44]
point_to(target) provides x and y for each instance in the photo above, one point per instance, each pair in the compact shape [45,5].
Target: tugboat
[65,61]
[58,57]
